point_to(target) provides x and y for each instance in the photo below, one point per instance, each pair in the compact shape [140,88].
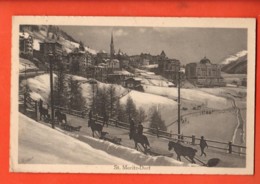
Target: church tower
[112,49]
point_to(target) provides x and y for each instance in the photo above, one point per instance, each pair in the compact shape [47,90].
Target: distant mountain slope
[235,64]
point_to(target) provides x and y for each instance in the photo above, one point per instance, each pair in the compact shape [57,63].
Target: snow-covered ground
[210,100]
[39,144]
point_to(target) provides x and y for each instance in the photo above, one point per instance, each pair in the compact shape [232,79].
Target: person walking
[140,129]
[203,145]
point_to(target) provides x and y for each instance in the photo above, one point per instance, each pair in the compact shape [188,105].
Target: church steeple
[112,49]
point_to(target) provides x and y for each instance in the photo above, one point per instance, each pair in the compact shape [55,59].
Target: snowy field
[39,144]
[210,126]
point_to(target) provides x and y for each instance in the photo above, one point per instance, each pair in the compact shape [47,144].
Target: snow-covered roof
[24,35]
[102,51]
[137,78]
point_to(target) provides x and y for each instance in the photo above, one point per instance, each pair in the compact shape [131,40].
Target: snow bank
[210,100]
[146,100]
[39,144]
[131,155]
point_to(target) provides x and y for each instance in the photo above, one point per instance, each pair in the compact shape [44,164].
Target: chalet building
[119,77]
[134,83]
[25,45]
[204,74]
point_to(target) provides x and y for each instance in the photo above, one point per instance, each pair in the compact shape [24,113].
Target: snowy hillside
[210,100]
[236,64]
[234,57]
[42,145]
[147,101]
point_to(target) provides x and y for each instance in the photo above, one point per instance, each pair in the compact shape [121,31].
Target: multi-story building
[168,68]
[79,61]
[204,74]
[25,44]
[50,51]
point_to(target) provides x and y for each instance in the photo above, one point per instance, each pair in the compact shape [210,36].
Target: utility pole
[179,103]
[51,88]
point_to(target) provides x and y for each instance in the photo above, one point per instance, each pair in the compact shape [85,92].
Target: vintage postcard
[132,95]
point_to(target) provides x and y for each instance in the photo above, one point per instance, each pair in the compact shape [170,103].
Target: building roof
[135,78]
[205,61]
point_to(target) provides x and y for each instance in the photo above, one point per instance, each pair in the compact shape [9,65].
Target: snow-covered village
[132,96]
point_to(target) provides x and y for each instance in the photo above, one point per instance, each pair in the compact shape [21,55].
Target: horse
[95,127]
[182,151]
[43,112]
[140,138]
[60,116]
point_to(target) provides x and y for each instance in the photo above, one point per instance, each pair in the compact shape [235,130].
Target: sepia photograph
[132,95]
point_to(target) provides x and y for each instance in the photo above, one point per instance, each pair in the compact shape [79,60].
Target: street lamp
[51,47]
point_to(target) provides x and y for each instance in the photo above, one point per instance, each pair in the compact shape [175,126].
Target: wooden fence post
[230,147]
[193,139]
[36,111]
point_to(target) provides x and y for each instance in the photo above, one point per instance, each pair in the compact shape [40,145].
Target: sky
[185,44]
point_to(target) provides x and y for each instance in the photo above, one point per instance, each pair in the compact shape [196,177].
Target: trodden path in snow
[227,160]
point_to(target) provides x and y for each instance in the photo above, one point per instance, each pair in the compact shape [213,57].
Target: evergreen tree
[101,101]
[111,91]
[60,91]
[120,111]
[130,109]
[156,120]
[141,115]
[75,99]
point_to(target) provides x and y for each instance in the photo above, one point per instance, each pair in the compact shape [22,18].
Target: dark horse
[43,112]
[95,127]
[140,138]
[182,151]
[60,116]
